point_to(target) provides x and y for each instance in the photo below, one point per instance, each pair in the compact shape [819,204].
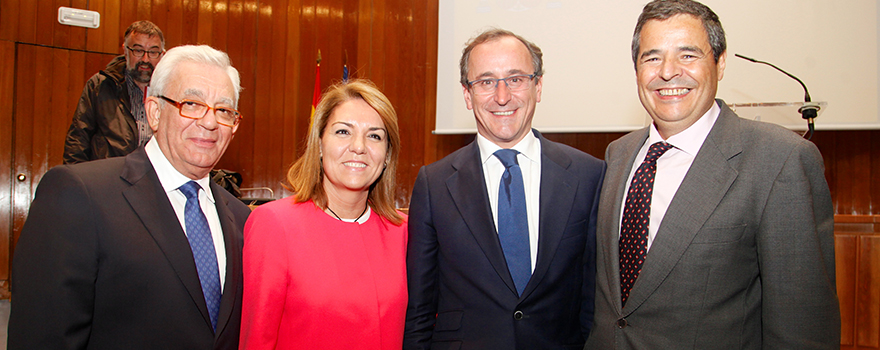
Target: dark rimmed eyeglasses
[138,53]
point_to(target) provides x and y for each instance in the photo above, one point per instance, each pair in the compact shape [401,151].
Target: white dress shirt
[171,180]
[672,166]
[529,159]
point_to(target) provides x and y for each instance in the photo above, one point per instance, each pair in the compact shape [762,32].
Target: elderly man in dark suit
[141,252]
[715,232]
[502,231]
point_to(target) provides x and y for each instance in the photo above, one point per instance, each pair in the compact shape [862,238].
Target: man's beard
[141,76]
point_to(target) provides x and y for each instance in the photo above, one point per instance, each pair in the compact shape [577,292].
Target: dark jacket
[103,125]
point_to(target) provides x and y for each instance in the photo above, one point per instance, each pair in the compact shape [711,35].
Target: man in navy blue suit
[469,287]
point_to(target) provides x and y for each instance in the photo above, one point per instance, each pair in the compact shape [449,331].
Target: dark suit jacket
[744,257]
[456,268]
[103,263]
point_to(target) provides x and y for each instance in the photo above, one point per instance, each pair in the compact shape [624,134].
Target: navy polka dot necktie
[636,217]
[513,222]
[202,244]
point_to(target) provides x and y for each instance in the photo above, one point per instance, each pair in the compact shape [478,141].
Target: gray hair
[203,54]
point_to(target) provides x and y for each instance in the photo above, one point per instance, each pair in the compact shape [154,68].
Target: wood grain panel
[846,259]
[26,93]
[7,88]
[867,298]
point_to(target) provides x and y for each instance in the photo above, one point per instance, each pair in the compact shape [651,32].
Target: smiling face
[504,117]
[354,145]
[676,72]
[192,146]
[142,68]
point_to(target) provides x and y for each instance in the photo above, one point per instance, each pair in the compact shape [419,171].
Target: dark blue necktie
[636,216]
[202,244]
[513,222]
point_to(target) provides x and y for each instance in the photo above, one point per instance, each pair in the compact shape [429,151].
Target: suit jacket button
[621,323]
[518,315]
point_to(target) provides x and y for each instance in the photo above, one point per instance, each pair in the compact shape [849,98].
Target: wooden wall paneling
[96,38]
[23,127]
[220,25]
[113,28]
[76,36]
[10,14]
[60,106]
[172,25]
[27,22]
[246,62]
[189,33]
[276,118]
[205,22]
[41,116]
[262,91]
[127,16]
[295,121]
[46,21]
[144,9]
[867,298]
[846,259]
[7,89]
[430,108]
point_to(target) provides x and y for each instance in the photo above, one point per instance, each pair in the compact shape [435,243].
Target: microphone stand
[808,111]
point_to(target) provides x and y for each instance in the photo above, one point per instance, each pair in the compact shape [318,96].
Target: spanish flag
[316,96]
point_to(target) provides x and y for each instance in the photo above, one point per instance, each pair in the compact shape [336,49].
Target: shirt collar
[170,178]
[529,146]
[691,139]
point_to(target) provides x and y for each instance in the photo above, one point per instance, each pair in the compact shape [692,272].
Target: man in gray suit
[714,232]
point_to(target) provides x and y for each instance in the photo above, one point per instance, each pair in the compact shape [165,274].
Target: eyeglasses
[514,83]
[198,110]
[154,54]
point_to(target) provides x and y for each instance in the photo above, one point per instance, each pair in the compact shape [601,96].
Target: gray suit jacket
[744,257]
[103,263]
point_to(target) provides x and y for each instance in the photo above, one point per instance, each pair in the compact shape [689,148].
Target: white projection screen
[589,81]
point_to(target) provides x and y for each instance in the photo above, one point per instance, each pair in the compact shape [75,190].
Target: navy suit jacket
[461,294]
[103,263]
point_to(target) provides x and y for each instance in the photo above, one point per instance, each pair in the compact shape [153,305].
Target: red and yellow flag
[316,96]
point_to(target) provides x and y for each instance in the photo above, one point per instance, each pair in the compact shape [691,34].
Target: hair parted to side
[144,27]
[664,9]
[306,176]
[203,54]
[495,34]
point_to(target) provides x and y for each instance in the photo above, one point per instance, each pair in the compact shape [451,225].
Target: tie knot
[190,190]
[656,150]
[507,157]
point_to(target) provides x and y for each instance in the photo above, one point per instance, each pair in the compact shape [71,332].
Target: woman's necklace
[355,220]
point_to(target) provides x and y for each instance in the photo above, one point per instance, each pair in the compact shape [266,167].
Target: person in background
[715,232]
[325,268]
[502,231]
[141,251]
[110,119]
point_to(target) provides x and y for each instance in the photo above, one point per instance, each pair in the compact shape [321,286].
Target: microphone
[809,110]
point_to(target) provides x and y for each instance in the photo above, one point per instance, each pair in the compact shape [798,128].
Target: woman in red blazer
[325,268]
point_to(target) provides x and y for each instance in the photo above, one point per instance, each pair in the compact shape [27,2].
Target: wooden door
[47,83]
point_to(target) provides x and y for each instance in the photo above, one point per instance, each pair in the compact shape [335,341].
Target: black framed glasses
[153,54]
[488,86]
[198,110]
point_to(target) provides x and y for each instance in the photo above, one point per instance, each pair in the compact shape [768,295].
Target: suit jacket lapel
[467,187]
[233,258]
[703,188]
[149,201]
[613,192]
[557,195]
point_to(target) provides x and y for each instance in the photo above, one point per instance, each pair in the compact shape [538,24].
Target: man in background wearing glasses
[502,231]
[141,251]
[110,119]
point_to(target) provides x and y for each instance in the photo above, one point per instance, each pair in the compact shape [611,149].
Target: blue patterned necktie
[636,217]
[202,244]
[513,222]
